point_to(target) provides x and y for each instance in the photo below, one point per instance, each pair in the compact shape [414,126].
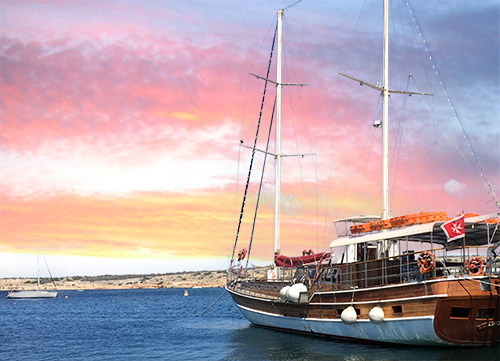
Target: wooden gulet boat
[420,279]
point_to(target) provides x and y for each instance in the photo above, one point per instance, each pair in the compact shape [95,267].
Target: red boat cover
[288,262]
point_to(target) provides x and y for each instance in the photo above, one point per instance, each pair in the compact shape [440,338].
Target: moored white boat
[37,293]
[31,294]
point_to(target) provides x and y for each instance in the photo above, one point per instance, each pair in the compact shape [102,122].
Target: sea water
[164,324]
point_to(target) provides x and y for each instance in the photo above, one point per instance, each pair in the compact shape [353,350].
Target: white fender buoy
[349,315]
[295,290]
[376,314]
[284,293]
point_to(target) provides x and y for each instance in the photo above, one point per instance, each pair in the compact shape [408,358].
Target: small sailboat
[417,279]
[32,294]
[38,293]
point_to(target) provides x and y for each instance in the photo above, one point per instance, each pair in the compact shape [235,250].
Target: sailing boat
[29,294]
[444,294]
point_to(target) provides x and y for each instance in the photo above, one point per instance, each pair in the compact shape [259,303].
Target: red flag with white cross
[454,228]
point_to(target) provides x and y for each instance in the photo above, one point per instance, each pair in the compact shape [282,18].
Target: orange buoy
[474,266]
[426,262]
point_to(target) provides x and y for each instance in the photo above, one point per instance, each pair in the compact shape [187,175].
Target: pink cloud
[127,100]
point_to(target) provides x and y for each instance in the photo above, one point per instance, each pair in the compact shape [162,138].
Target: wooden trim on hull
[391,332]
[471,321]
[456,312]
[427,283]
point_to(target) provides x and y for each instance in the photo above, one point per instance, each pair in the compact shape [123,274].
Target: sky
[121,122]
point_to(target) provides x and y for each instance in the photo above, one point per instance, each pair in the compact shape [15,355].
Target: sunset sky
[120,125]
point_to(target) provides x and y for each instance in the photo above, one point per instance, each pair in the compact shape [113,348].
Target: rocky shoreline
[168,280]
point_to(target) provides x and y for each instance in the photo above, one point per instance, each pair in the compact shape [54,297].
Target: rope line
[254,146]
[294,38]
[397,146]
[213,303]
[487,183]
[242,132]
[295,3]
[260,185]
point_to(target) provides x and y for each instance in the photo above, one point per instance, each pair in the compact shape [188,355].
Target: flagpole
[463,249]
[463,246]
[454,229]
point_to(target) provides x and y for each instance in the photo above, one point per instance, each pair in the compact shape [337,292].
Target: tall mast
[384,90]
[38,263]
[385,118]
[277,207]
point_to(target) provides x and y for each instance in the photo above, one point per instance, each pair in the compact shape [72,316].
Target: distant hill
[167,280]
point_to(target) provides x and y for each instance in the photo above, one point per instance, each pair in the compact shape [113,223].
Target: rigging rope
[260,185]
[487,183]
[242,132]
[399,139]
[50,274]
[213,304]
[295,3]
[365,153]
[328,230]
[294,38]
[254,146]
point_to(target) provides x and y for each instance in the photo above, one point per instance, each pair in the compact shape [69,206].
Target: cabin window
[485,313]
[358,311]
[460,312]
[397,309]
[275,287]
[267,286]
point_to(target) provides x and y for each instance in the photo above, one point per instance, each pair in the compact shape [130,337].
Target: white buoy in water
[376,314]
[295,291]
[349,315]
[284,293]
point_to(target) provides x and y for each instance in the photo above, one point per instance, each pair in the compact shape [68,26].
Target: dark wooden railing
[383,271]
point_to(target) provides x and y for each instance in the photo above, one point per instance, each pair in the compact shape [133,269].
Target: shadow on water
[101,325]
[256,343]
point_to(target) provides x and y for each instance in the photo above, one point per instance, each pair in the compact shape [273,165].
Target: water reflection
[256,343]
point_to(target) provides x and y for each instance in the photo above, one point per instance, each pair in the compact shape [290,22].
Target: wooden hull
[440,312]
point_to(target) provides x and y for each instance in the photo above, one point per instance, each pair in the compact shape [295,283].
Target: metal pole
[385,117]
[277,207]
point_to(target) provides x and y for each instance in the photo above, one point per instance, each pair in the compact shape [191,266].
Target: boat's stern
[469,315]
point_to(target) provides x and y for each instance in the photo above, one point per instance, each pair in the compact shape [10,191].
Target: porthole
[460,312]
[397,309]
[485,313]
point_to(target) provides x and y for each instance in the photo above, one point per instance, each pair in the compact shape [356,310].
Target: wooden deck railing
[383,271]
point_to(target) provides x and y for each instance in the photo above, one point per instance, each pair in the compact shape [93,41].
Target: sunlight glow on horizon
[119,129]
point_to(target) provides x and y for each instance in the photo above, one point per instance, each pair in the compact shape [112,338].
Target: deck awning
[477,232]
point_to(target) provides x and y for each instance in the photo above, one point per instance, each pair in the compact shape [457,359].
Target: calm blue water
[165,325]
